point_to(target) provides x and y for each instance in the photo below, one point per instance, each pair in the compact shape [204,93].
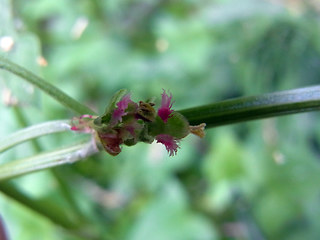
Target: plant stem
[45,160]
[62,181]
[256,107]
[32,132]
[48,210]
[51,212]
[45,86]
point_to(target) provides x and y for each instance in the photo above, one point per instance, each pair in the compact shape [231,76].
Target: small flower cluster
[126,122]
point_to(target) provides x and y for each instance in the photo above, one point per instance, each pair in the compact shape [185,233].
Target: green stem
[52,212]
[60,178]
[256,107]
[49,210]
[45,86]
[45,160]
[34,132]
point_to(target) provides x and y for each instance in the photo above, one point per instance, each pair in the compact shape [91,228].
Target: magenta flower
[165,110]
[169,142]
[119,112]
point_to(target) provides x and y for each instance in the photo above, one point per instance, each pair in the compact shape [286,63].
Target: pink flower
[169,142]
[119,112]
[165,109]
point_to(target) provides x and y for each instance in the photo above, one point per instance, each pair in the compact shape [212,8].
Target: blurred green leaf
[168,217]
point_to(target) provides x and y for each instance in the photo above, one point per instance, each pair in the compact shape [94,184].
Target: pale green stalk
[34,132]
[47,160]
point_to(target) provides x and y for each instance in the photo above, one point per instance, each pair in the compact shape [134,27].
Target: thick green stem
[44,86]
[257,107]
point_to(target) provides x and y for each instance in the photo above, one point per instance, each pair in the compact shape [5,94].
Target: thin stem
[45,86]
[47,160]
[61,179]
[256,107]
[34,132]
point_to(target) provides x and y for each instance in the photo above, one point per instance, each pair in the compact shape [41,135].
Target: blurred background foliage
[256,180]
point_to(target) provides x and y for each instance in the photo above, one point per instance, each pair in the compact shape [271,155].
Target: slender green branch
[47,160]
[34,132]
[61,179]
[22,121]
[257,107]
[44,86]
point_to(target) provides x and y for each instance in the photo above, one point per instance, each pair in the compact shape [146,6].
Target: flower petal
[169,142]
[119,112]
[165,110]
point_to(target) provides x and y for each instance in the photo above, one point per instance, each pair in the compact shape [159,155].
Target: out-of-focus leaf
[168,217]
[21,47]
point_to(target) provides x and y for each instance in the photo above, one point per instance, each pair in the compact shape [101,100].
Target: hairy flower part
[119,112]
[165,110]
[169,142]
[82,123]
